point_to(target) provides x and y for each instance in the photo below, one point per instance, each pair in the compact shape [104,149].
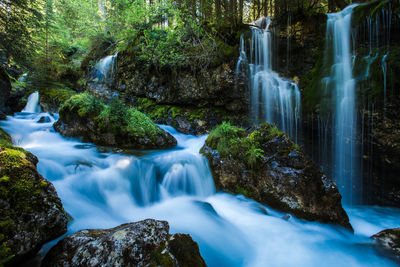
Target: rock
[52,97]
[389,240]
[5,89]
[196,86]
[87,117]
[144,243]
[188,120]
[31,213]
[267,166]
[44,119]
[3,116]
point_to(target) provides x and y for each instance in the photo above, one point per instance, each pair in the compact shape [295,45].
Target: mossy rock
[367,10]
[265,164]
[113,124]
[31,213]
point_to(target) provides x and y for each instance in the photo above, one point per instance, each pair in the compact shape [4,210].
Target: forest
[199,133]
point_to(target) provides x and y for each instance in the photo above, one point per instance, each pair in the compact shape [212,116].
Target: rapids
[102,188]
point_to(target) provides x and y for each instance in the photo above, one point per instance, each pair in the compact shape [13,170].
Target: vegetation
[232,141]
[19,187]
[53,38]
[235,142]
[114,117]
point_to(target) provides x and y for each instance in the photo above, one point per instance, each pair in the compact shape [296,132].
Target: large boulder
[198,85]
[144,243]
[389,240]
[267,166]
[85,116]
[31,213]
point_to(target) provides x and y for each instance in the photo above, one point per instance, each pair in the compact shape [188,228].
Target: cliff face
[375,46]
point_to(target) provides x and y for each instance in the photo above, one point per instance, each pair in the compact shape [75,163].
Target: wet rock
[44,119]
[267,166]
[389,240]
[144,243]
[188,120]
[31,213]
[197,86]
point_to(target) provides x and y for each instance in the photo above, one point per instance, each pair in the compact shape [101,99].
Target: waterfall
[341,85]
[273,99]
[105,69]
[32,106]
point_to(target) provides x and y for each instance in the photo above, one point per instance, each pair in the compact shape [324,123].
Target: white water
[342,87]
[104,189]
[384,70]
[32,106]
[273,99]
[105,68]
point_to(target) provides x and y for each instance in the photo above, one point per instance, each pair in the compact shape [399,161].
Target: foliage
[235,142]
[85,104]
[231,141]
[114,117]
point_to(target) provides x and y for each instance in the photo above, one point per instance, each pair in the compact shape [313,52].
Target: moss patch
[20,187]
[369,9]
[115,117]
[235,142]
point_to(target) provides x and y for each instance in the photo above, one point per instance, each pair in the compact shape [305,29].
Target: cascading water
[105,189]
[32,106]
[341,87]
[105,69]
[384,72]
[273,99]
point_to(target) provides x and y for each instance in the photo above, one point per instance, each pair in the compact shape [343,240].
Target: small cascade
[273,99]
[32,106]
[22,78]
[104,70]
[384,71]
[340,84]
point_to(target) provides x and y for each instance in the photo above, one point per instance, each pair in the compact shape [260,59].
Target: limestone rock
[143,243]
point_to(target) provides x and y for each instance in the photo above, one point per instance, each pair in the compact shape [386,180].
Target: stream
[102,188]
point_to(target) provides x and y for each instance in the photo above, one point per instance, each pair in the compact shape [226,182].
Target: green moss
[232,141]
[114,118]
[84,104]
[185,251]
[370,83]
[58,95]
[158,258]
[5,179]
[20,187]
[161,113]
[368,9]
[296,147]
[243,191]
